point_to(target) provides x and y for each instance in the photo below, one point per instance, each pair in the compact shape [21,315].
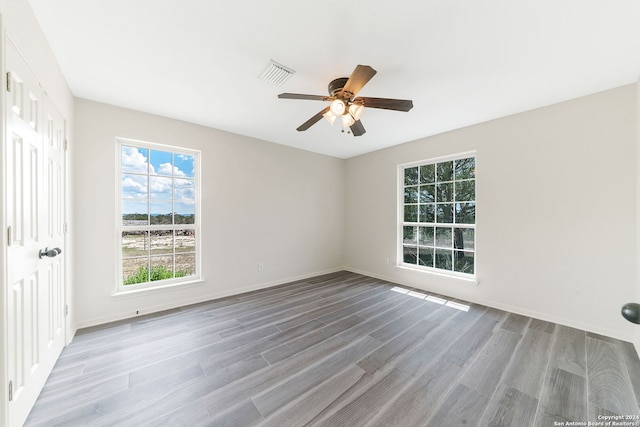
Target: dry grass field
[161,247]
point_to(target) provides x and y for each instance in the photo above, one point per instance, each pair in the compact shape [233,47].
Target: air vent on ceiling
[275,73]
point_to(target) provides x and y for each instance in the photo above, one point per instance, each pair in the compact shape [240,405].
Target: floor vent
[275,73]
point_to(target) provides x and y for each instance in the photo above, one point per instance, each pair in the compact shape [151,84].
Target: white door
[34,168]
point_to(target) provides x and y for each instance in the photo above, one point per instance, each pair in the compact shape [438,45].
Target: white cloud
[133,160]
[160,187]
[134,186]
[167,169]
[183,189]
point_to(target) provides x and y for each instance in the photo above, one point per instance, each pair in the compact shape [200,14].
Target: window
[439,215]
[159,214]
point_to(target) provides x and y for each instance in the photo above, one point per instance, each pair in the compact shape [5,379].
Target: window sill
[468,280]
[157,289]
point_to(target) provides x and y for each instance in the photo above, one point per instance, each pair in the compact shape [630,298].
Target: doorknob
[49,252]
[631,312]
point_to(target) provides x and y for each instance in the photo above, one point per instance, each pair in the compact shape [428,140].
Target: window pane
[466,213]
[425,257]
[444,237]
[161,242]
[161,188]
[183,189]
[426,236]
[161,268]
[464,262]
[411,176]
[411,194]
[135,243]
[427,193]
[427,174]
[444,259]
[466,191]
[184,165]
[410,255]
[463,238]
[134,212]
[158,189]
[185,213]
[444,213]
[134,159]
[161,213]
[135,270]
[134,186]
[445,171]
[440,197]
[161,163]
[409,235]
[410,213]
[428,213]
[445,192]
[185,241]
[185,265]
[466,168]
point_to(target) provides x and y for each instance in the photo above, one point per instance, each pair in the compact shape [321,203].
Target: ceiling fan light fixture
[347,120]
[329,117]
[337,107]
[356,111]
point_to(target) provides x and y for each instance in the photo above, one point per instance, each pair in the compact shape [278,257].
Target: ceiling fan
[344,104]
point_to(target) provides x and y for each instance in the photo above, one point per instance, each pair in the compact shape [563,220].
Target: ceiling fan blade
[303,96]
[360,76]
[387,103]
[357,129]
[312,121]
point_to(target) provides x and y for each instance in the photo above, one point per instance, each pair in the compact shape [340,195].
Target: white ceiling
[461,61]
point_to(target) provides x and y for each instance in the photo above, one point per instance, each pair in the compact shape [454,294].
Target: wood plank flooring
[338,350]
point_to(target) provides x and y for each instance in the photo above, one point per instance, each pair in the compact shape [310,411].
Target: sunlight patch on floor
[456,305]
[431,298]
[417,295]
[437,300]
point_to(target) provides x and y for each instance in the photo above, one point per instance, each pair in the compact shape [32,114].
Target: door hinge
[64,228]
[8,81]
[9,236]
[10,391]
[66,309]
[65,145]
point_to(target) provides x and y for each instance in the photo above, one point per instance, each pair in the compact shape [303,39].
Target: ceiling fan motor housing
[335,87]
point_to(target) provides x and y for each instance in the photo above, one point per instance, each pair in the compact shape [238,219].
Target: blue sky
[160,177]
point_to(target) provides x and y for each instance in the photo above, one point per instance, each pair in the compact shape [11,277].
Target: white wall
[556,215]
[261,202]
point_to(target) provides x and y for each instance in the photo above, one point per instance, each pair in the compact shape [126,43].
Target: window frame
[121,288]
[401,222]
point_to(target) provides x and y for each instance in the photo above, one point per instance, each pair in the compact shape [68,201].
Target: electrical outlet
[260,266]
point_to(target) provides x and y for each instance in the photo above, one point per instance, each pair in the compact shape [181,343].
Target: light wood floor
[338,350]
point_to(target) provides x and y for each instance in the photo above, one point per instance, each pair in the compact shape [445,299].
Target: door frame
[68,331]
[4,383]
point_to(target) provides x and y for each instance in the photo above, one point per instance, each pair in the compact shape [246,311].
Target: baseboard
[519,310]
[115,317]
